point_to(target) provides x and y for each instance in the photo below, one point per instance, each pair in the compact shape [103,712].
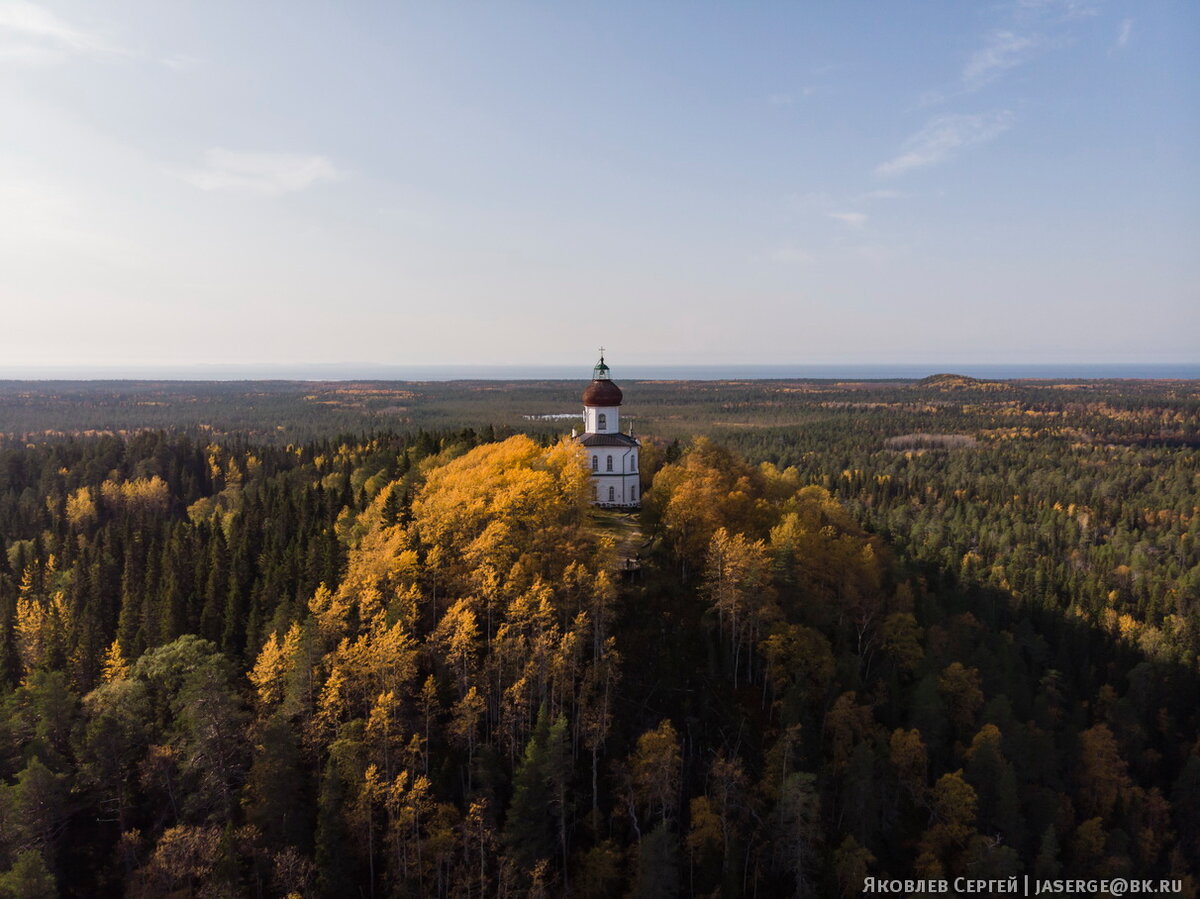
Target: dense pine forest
[371,640]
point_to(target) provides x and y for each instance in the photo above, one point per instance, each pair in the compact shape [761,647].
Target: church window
[609,463]
[612,494]
[595,463]
[633,462]
[633,493]
[597,493]
[603,421]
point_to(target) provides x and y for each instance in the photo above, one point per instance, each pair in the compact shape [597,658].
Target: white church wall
[612,459]
[612,419]
[626,490]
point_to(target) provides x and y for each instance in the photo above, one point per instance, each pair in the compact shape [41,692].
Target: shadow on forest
[1047,677]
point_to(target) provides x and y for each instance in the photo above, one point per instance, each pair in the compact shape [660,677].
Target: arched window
[609,463]
[597,493]
[633,462]
[602,421]
[595,463]
[633,493]
[612,494]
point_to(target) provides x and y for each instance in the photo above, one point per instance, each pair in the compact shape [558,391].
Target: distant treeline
[853,413]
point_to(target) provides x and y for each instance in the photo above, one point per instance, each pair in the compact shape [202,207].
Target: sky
[519,183]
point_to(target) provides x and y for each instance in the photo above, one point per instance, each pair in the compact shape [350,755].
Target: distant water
[632,372]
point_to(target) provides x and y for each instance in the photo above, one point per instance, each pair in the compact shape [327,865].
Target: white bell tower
[613,456]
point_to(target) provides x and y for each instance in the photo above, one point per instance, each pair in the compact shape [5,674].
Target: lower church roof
[608,440]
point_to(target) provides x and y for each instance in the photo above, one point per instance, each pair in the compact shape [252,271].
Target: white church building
[613,456]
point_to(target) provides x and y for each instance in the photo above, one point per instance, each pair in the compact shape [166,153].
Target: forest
[371,640]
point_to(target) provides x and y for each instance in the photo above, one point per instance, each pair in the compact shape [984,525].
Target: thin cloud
[853,219]
[264,174]
[32,34]
[1035,27]
[1125,33]
[1004,50]
[943,137]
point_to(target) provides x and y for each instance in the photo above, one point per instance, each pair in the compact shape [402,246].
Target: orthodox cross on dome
[600,372]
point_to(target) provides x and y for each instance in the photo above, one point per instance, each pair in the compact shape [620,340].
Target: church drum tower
[612,456]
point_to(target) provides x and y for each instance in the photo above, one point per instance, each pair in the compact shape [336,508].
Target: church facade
[613,456]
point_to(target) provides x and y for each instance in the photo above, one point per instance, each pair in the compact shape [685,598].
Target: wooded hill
[407,665]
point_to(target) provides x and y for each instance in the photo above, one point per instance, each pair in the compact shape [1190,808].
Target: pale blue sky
[416,183]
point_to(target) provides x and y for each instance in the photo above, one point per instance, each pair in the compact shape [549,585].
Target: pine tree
[529,833]
[275,799]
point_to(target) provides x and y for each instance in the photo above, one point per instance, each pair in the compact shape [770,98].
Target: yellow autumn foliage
[41,627]
[506,507]
[141,495]
[81,507]
[115,664]
[274,665]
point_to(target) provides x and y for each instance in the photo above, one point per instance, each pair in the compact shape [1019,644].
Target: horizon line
[872,363]
[415,372]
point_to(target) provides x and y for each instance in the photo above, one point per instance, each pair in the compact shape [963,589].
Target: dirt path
[625,529]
